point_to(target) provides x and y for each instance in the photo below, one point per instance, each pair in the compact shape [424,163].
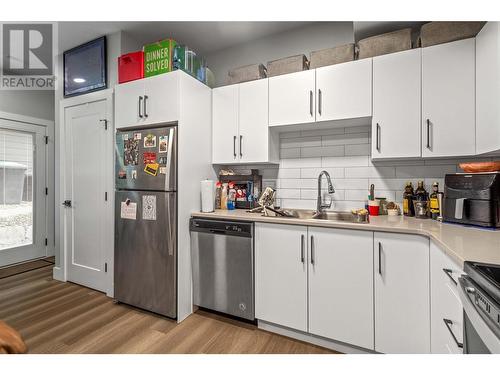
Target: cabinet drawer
[446,308]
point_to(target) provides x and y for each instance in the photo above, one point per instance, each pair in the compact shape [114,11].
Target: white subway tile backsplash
[289,173]
[314,172]
[301,163]
[345,154]
[345,161]
[370,172]
[311,152]
[357,150]
[290,153]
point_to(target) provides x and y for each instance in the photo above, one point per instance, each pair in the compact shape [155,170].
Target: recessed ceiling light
[78,80]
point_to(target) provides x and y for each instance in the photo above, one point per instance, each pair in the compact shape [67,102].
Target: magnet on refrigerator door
[133,174]
[149,207]
[137,136]
[131,152]
[151,169]
[122,175]
[163,141]
[149,158]
[128,210]
[162,160]
[163,170]
[150,141]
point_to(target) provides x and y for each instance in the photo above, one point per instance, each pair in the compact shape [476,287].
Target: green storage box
[158,57]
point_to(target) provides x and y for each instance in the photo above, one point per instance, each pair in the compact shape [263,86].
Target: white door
[344,91]
[341,285]
[88,169]
[129,104]
[488,88]
[225,124]
[253,139]
[446,308]
[292,98]
[397,87]
[448,99]
[161,100]
[281,275]
[23,219]
[402,310]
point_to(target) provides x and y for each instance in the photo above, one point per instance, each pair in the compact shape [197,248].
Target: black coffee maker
[472,198]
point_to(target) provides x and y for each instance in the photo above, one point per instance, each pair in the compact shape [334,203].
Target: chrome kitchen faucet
[320,205]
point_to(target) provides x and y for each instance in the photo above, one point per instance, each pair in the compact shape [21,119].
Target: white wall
[39,104]
[297,41]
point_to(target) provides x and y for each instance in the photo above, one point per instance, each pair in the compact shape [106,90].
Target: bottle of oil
[433,201]
[421,193]
[408,209]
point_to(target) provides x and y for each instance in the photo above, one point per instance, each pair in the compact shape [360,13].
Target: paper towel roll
[207,196]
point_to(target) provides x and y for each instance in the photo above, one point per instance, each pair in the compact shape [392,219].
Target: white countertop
[461,243]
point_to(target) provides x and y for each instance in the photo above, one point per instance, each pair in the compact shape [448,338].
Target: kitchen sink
[325,215]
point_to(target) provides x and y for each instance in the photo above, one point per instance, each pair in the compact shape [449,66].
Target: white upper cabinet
[147,101]
[254,140]
[240,116]
[341,285]
[281,275]
[448,99]
[488,88]
[344,91]
[397,107]
[225,124]
[129,106]
[161,101]
[292,98]
[402,307]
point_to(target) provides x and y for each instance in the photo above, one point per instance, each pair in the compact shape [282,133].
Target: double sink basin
[344,216]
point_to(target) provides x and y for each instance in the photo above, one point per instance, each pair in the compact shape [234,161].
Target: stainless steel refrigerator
[146,219]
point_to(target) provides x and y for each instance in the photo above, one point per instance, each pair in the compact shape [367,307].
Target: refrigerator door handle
[168,173]
[169,231]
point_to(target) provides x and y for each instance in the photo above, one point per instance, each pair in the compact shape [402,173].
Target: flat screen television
[85,68]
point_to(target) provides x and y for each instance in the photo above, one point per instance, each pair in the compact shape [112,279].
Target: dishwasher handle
[220,227]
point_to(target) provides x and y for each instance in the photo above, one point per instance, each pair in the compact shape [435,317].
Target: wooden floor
[56,317]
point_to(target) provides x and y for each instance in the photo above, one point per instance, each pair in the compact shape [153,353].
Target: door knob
[66,203]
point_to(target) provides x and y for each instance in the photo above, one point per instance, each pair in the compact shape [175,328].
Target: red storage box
[130,66]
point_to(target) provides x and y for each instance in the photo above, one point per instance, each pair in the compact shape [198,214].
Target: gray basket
[383,44]
[246,73]
[332,56]
[287,65]
[433,33]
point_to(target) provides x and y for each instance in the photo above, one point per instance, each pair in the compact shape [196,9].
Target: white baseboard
[58,274]
[312,339]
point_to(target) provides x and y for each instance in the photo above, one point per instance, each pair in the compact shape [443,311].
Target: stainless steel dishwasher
[222,255]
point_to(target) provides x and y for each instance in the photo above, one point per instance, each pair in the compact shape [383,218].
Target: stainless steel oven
[480,295]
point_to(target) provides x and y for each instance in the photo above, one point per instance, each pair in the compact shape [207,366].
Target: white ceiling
[201,36]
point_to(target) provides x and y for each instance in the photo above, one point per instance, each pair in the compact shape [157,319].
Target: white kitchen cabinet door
[446,308]
[292,98]
[161,101]
[253,138]
[281,274]
[225,124]
[344,91]
[128,104]
[488,88]
[402,310]
[341,285]
[448,99]
[397,107]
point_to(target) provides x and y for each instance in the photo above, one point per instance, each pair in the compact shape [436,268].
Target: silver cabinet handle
[378,137]
[312,251]
[241,151]
[140,106]
[302,247]
[380,258]
[448,323]
[428,134]
[448,273]
[145,107]
[234,147]
[320,101]
[311,103]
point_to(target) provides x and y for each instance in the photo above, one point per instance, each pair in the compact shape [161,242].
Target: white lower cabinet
[341,285]
[402,310]
[446,308]
[281,274]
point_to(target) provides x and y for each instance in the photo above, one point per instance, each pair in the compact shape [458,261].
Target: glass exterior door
[22,192]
